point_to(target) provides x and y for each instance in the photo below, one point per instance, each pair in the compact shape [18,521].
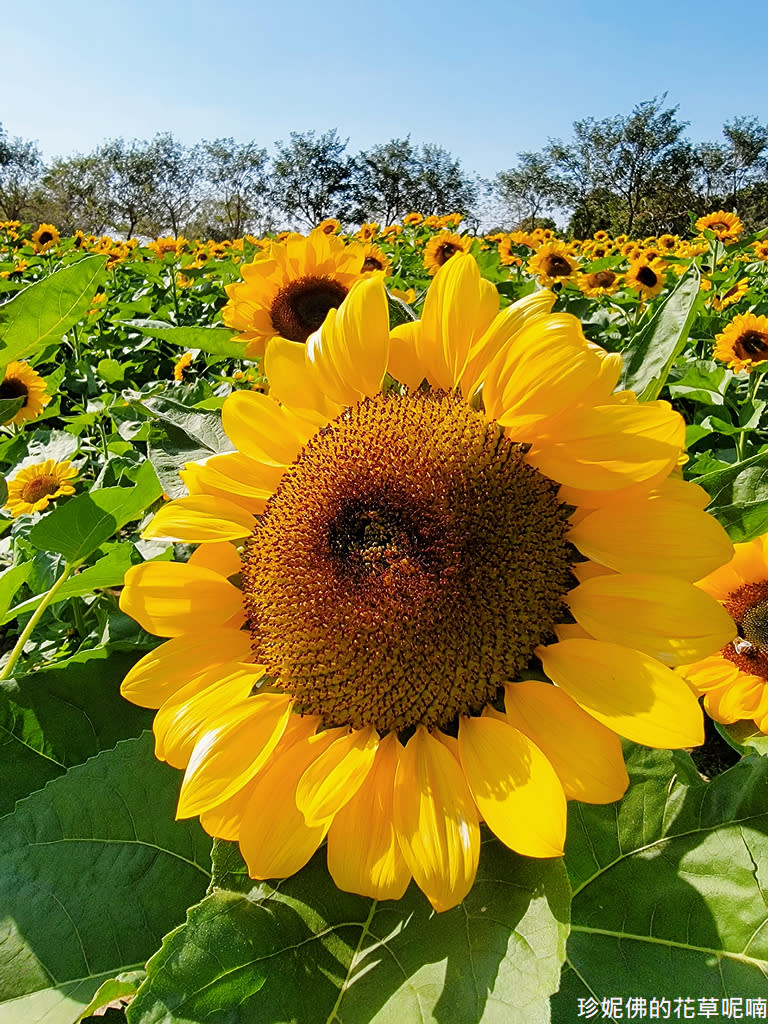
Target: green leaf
[653,350]
[216,341]
[670,885]
[110,370]
[201,426]
[399,311]
[46,310]
[9,407]
[303,951]
[59,717]
[125,984]
[740,497]
[10,581]
[79,527]
[94,872]
[107,572]
[703,381]
[745,737]
[180,435]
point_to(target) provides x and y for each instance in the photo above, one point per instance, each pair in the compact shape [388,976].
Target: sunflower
[743,345]
[726,226]
[552,262]
[331,226]
[441,247]
[387,585]
[410,220]
[287,290]
[732,296]
[374,259]
[734,682]
[34,487]
[507,257]
[21,381]
[367,231]
[45,236]
[646,276]
[601,282]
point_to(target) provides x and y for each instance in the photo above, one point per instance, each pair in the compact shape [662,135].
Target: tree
[442,185]
[131,183]
[312,177]
[747,140]
[386,181]
[75,194]
[238,197]
[21,166]
[527,190]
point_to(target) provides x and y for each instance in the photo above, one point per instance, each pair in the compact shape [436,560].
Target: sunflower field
[385,626]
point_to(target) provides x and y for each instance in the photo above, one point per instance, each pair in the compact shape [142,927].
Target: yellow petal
[514,786]
[351,355]
[225,819]
[458,309]
[334,778]
[586,756]
[363,854]
[233,748]
[262,429]
[236,477]
[404,364]
[275,841]
[293,382]
[184,717]
[610,446]
[199,518]
[653,535]
[436,821]
[627,691]
[221,557]
[173,598]
[667,618]
[159,674]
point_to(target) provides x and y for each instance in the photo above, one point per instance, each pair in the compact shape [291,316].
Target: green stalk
[36,616]
[741,439]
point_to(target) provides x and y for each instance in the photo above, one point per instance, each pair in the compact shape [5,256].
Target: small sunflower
[330,226]
[45,236]
[552,262]
[732,296]
[601,282]
[33,488]
[375,259]
[734,682]
[287,290]
[743,345]
[21,380]
[507,256]
[389,581]
[410,220]
[367,231]
[441,247]
[646,276]
[726,226]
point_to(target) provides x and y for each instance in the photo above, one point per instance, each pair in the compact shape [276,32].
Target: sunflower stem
[746,412]
[35,618]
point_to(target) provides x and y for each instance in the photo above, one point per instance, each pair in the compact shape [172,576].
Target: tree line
[634,173]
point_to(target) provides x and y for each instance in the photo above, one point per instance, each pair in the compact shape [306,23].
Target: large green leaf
[653,350]
[59,717]
[46,310]
[303,951]
[79,527]
[94,872]
[216,341]
[740,497]
[670,886]
[180,435]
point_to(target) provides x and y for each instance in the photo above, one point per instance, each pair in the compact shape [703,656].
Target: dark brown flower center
[11,387]
[44,238]
[557,266]
[39,487]
[752,345]
[748,607]
[302,305]
[372,263]
[408,565]
[444,252]
[647,277]
[602,279]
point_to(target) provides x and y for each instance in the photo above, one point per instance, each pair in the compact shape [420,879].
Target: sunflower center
[444,252]
[603,279]
[13,388]
[302,305]
[44,238]
[647,277]
[371,263]
[748,607]
[751,345]
[408,565]
[40,487]
[557,266]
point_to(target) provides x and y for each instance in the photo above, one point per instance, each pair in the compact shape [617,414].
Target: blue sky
[485,81]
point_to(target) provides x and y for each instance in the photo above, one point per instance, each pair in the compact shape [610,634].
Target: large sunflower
[364,645]
[552,262]
[21,381]
[726,226]
[287,290]
[734,682]
[743,344]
